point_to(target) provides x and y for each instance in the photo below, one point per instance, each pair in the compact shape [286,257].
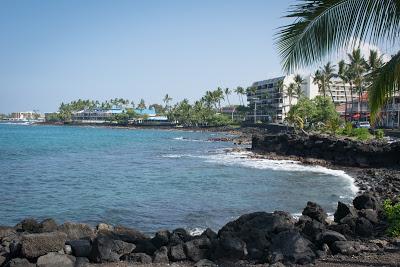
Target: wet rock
[205,263]
[179,236]
[365,201]
[161,255]
[231,248]
[290,247]
[364,227]
[105,249]
[35,245]
[177,253]
[48,225]
[210,234]
[329,237]
[145,246]
[18,262]
[197,249]
[137,257]
[14,248]
[129,235]
[80,248]
[346,247]
[54,259]
[2,260]
[161,238]
[6,231]
[342,211]
[29,225]
[76,231]
[315,211]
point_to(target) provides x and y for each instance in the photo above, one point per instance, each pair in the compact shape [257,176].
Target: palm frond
[325,26]
[385,83]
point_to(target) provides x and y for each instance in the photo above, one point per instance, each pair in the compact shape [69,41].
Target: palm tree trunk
[345,100]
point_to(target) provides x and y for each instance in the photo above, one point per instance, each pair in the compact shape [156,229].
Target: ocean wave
[185,139]
[246,159]
[196,231]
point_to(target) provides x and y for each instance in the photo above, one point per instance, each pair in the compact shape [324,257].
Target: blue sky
[54,51]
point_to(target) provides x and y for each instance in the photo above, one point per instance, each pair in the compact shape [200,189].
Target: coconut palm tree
[358,67]
[290,93]
[324,27]
[166,101]
[239,91]
[318,80]
[342,74]
[298,80]
[219,95]
[227,92]
[328,73]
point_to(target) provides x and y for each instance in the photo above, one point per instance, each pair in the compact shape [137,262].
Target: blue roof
[158,118]
[145,111]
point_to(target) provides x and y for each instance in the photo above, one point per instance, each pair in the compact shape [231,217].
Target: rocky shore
[260,238]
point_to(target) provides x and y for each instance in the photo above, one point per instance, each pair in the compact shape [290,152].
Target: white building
[271,103]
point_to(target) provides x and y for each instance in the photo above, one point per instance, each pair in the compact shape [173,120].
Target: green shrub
[392,212]
[361,134]
[379,134]
[348,129]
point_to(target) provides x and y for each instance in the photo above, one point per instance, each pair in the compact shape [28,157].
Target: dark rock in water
[76,231]
[329,237]
[180,235]
[80,248]
[18,262]
[364,227]
[197,249]
[161,238]
[137,257]
[35,245]
[128,234]
[369,214]
[48,225]
[161,255]
[29,225]
[344,229]
[145,246]
[177,253]
[290,247]
[365,201]
[205,263]
[54,259]
[315,211]
[346,247]
[105,249]
[15,247]
[342,211]
[210,234]
[231,248]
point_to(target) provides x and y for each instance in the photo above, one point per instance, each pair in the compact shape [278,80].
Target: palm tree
[358,67]
[342,74]
[327,26]
[290,92]
[239,91]
[318,80]
[142,105]
[227,93]
[166,101]
[219,95]
[298,80]
[328,73]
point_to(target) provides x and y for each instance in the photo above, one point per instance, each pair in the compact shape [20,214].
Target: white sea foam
[245,159]
[178,138]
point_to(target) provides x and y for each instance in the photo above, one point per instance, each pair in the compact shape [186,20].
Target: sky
[59,51]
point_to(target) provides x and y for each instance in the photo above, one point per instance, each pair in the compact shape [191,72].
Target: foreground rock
[255,238]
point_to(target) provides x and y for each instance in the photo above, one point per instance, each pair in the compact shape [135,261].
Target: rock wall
[345,152]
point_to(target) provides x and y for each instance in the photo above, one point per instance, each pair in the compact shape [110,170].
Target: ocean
[149,179]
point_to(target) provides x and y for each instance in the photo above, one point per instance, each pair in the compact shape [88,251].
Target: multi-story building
[271,103]
[26,116]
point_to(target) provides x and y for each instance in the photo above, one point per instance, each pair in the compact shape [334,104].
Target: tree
[218,96]
[343,75]
[298,80]
[325,26]
[166,101]
[240,92]
[142,105]
[290,93]
[358,67]
[327,75]
[227,93]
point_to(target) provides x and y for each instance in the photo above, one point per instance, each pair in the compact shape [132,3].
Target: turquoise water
[148,179]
